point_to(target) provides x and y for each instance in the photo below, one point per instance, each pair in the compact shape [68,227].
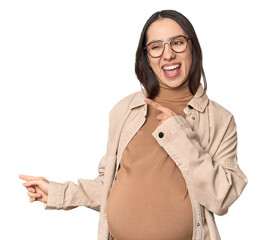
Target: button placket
[192,116]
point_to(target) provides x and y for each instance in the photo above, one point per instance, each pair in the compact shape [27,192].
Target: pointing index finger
[28,178]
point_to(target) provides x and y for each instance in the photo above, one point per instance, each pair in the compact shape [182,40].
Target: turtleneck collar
[177,94]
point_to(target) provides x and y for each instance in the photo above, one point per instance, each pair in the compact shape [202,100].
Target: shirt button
[198,224]
[161,134]
[190,107]
[193,118]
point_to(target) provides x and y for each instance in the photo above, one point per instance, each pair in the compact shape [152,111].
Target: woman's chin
[172,83]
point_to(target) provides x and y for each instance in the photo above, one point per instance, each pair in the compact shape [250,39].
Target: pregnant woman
[171,159]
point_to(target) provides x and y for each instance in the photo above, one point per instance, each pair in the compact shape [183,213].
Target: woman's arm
[69,195]
[66,195]
[217,181]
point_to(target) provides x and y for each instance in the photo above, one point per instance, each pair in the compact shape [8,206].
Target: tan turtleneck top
[149,199]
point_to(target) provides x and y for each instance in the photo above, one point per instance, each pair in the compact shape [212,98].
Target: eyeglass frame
[169,43]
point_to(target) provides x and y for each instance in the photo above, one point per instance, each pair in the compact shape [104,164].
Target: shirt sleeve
[217,181]
[69,195]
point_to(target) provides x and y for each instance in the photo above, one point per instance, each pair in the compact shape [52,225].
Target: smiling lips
[171,70]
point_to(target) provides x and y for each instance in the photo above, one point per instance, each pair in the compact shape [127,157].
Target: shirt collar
[198,102]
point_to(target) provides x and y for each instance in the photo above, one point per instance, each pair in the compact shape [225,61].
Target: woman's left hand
[165,112]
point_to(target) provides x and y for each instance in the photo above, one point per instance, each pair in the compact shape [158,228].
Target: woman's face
[164,29]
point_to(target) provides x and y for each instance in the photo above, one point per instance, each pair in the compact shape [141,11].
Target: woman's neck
[177,94]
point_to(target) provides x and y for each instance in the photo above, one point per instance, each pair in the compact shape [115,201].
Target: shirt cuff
[55,196]
[164,132]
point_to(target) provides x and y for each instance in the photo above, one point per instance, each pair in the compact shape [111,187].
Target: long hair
[146,75]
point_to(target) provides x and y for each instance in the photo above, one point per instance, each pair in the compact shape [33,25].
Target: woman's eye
[156,46]
[178,42]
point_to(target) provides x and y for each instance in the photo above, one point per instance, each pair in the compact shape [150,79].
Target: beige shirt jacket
[203,146]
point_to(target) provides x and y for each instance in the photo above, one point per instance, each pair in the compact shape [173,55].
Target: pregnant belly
[144,209]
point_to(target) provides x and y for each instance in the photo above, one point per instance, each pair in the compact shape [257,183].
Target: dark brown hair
[146,75]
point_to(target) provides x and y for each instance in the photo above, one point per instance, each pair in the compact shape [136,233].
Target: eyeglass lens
[178,44]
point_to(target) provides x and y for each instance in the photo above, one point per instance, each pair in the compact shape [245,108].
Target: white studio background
[64,64]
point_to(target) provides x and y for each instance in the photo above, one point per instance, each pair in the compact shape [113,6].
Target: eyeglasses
[177,44]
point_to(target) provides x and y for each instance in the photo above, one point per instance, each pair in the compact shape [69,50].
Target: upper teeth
[171,67]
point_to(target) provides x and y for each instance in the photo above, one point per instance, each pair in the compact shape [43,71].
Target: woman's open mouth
[171,71]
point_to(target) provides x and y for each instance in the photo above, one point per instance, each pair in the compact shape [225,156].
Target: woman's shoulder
[206,105]
[219,113]
[220,109]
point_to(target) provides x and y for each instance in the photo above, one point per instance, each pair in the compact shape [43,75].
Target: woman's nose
[167,52]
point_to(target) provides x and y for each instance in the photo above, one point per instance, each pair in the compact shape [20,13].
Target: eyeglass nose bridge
[169,43]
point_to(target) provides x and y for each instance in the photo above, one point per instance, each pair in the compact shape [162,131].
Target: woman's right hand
[37,188]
